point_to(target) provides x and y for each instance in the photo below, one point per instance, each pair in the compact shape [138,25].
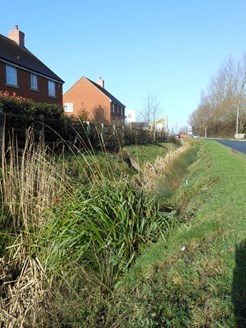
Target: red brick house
[92,98]
[24,74]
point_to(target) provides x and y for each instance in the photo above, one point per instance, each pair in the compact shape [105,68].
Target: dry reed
[31,183]
[151,172]
[23,289]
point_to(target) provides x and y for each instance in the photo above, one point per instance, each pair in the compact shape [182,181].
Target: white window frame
[34,81]
[51,89]
[68,107]
[11,75]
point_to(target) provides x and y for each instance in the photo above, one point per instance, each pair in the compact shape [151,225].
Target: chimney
[100,82]
[17,36]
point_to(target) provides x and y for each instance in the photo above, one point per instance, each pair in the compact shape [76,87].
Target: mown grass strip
[197,277]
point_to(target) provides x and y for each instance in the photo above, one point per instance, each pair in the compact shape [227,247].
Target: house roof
[108,94]
[11,52]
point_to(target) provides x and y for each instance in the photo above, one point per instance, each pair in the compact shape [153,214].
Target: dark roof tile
[109,95]
[11,52]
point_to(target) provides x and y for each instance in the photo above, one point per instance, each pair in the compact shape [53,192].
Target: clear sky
[169,48]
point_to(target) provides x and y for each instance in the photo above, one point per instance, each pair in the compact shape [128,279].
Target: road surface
[234,144]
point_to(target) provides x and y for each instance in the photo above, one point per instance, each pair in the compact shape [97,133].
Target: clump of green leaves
[102,228]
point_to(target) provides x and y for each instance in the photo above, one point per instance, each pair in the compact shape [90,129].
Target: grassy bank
[116,246]
[148,153]
[196,278]
[70,229]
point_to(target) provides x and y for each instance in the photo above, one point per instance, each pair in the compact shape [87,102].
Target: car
[195,136]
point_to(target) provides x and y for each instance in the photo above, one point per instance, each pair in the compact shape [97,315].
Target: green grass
[83,166]
[112,258]
[174,174]
[71,227]
[149,152]
[102,230]
[197,277]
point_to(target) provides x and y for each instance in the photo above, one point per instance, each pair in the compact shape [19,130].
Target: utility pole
[238,102]
[237,119]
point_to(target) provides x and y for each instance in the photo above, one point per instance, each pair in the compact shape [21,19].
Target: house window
[113,108]
[11,75]
[51,89]
[68,107]
[34,81]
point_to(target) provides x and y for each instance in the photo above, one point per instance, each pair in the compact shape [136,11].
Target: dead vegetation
[23,288]
[152,172]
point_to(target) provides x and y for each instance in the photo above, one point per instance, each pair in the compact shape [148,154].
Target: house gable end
[99,104]
[107,94]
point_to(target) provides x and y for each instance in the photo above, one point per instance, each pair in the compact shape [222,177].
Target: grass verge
[196,278]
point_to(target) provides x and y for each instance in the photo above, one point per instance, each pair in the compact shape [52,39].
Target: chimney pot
[100,82]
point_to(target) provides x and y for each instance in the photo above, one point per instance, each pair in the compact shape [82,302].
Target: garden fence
[57,133]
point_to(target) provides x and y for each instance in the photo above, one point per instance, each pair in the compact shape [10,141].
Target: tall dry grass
[151,173]
[31,183]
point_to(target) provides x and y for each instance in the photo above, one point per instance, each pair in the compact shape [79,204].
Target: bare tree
[202,118]
[151,110]
[224,100]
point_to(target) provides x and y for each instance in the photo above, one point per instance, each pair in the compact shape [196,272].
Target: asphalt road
[234,144]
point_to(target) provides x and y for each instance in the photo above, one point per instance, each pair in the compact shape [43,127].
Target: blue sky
[169,48]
